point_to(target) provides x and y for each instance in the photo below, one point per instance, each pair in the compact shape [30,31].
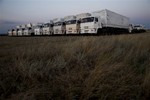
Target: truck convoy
[98,22]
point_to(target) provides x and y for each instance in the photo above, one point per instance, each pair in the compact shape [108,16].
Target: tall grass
[75,68]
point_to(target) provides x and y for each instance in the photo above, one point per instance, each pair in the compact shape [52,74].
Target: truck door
[96,23]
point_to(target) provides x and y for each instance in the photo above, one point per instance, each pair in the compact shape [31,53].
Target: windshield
[138,26]
[38,26]
[89,19]
[46,25]
[71,22]
[57,23]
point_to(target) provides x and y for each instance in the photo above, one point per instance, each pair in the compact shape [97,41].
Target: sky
[15,12]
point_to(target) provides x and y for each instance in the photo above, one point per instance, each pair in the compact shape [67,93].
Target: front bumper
[90,31]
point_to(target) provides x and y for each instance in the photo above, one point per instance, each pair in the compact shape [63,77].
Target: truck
[28,30]
[59,26]
[104,21]
[10,32]
[48,28]
[14,32]
[20,30]
[72,24]
[38,29]
[138,28]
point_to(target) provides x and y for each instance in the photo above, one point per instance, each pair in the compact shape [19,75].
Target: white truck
[72,25]
[14,32]
[10,32]
[48,28]
[20,30]
[104,21]
[38,29]
[59,26]
[28,29]
[138,28]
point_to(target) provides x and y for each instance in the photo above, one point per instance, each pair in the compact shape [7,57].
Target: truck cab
[20,32]
[38,29]
[14,32]
[59,26]
[90,24]
[72,25]
[10,32]
[138,28]
[48,29]
[21,29]
[28,29]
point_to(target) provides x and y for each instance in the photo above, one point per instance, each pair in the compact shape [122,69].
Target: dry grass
[75,67]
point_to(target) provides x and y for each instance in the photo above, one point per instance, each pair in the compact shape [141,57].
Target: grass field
[115,67]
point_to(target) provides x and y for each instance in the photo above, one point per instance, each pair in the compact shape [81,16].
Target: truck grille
[86,27]
[86,31]
[70,28]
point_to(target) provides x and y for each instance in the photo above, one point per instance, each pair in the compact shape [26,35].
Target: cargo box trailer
[59,26]
[82,15]
[104,21]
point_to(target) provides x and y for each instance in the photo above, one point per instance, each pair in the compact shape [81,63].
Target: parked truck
[10,32]
[38,29]
[20,30]
[72,25]
[48,28]
[138,28]
[28,30]
[14,32]
[59,26]
[104,21]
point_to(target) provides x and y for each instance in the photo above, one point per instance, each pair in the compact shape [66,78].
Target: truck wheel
[99,32]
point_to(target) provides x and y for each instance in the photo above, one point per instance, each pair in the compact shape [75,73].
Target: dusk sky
[13,12]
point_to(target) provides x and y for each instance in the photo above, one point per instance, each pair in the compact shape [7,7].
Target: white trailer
[59,26]
[82,15]
[104,20]
[38,29]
